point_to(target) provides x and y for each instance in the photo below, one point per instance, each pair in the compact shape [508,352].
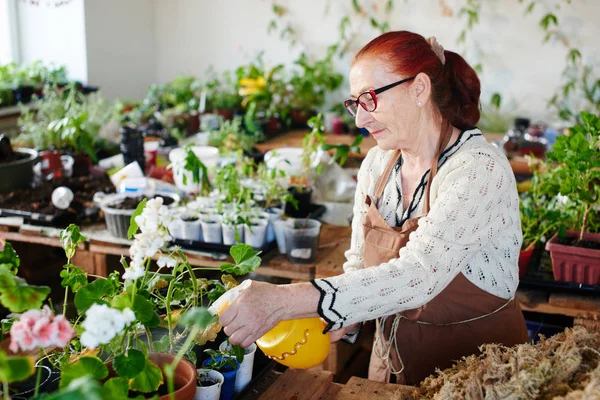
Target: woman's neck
[421,153]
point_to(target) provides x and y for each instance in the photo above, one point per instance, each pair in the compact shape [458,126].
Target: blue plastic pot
[227,390]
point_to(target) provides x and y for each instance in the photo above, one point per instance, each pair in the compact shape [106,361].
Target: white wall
[54,35]
[6,53]
[193,34]
[120,46]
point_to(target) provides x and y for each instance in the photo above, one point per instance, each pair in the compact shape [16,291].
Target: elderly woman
[436,230]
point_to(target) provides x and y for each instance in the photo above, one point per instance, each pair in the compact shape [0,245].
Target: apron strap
[382,181]
[445,135]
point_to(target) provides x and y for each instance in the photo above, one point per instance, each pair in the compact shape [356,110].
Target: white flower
[166,261]
[133,272]
[103,323]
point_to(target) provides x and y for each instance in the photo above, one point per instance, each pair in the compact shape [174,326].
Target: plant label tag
[301,253]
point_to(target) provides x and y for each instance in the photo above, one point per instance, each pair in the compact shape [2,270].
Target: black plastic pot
[18,174]
[23,94]
[132,146]
[303,196]
[25,389]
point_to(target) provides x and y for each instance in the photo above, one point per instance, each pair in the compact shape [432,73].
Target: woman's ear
[421,89]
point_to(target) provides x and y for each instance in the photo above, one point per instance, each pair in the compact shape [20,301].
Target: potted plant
[542,214]
[301,185]
[16,166]
[223,98]
[576,257]
[265,97]
[116,344]
[246,361]
[227,365]
[209,384]
[310,85]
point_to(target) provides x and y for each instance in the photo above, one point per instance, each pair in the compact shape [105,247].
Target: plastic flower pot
[18,174]
[303,196]
[278,227]
[208,155]
[575,264]
[118,218]
[227,389]
[229,233]
[255,234]
[209,390]
[244,373]
[191,228]
[302,240]
[25,389]
[211,229]
[273,214]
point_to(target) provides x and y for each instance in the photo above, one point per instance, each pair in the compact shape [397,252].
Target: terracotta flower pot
[575,264]
[184,376]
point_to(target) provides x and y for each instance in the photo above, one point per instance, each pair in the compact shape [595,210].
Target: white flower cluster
[154,223]
[103,323]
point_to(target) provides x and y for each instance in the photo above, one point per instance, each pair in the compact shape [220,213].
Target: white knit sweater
[473,227]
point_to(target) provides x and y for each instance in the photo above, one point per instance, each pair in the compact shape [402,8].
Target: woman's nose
[362,117]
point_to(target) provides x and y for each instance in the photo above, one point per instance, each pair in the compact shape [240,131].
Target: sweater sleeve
[473,226]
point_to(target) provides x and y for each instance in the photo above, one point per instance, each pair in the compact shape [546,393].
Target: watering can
[298,343]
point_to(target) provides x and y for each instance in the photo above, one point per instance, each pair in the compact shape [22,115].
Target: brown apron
[462,317]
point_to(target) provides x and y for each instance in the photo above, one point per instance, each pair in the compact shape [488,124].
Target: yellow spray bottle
[298,343]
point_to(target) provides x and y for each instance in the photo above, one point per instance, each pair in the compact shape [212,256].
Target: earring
[419,103]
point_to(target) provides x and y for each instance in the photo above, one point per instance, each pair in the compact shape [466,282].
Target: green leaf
[161,345]
[496,100]
[70,237]
[238,353]
[216,292]
[93,293]
[17,295]
[9,256]
[142,307]
[130,365]
[85,366]
[133,226]
[148,380]
[84,388]
[356,6]
[197,316]
[574,55]
[547,20]
[374,23]
[74,277]
[246,260]
[116,388]
[15,369]
[530,7]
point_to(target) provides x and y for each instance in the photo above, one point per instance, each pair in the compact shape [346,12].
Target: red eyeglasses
[368,99]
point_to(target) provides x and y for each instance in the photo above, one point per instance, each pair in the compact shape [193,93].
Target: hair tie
[437,49]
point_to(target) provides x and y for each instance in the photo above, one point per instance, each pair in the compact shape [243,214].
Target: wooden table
[91,256]
[318,385]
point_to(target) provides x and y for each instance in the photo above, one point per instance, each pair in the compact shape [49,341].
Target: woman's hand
[261,306]
[335,336]
[257,309]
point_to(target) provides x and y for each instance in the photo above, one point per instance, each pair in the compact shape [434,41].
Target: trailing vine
[579,80]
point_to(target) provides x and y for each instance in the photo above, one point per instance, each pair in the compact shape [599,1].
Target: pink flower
[65,332]
[39,328]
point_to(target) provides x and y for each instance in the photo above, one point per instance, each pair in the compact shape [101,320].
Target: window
[8,36]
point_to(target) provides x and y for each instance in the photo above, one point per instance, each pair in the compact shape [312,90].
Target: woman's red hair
[455,85]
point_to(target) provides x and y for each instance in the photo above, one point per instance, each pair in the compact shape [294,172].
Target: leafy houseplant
[577,176]
[311,84]
[223,97]
[231,137]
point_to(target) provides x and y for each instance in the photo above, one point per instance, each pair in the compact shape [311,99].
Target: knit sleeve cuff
[326,307]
